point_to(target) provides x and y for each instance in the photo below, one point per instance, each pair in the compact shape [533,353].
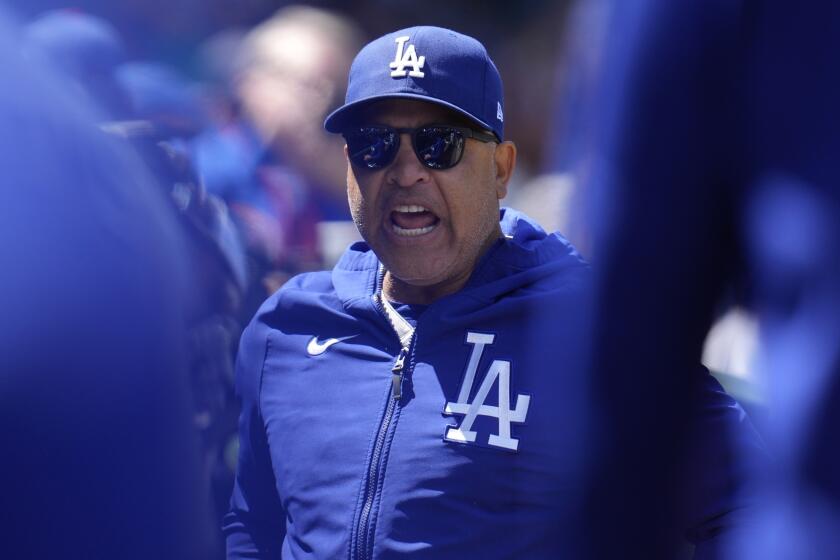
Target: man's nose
[406,170]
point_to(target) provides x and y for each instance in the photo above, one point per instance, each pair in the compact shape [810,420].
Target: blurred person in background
[168,115]
[717,145]
[426,397]
[288,71]
[293,70]
[215,258]
[570,159]
[100,457]
[157,93]
[226,150]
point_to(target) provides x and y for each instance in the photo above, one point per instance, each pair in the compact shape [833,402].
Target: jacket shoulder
[303,290]
[297,301]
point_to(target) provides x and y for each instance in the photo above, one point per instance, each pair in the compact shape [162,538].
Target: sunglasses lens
[439,147]
[371,147]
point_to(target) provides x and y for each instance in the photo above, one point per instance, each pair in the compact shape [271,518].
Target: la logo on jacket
[499,370]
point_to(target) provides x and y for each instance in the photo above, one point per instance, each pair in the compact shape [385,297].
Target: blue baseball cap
[432,64]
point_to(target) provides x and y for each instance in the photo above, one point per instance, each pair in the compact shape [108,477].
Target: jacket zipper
[363,530]
[362,539]
[396,375]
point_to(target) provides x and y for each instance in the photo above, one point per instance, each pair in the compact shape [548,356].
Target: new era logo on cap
[428,63]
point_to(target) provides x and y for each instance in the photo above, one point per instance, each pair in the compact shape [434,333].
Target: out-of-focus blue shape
[717,141]
[86,49]
[158,93]
[78,42]
[99,456]
[578,78]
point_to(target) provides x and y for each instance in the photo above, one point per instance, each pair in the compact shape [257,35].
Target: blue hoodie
[464,441]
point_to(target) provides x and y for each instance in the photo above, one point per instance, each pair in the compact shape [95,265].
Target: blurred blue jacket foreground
[99,456]
[467,443]
[719,129]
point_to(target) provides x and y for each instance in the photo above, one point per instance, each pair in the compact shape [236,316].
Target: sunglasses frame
[465,132]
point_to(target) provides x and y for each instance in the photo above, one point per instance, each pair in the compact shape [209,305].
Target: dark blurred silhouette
[100,457]
[86,49]
[165,112]
[216,261]
[717,175]
[159,94]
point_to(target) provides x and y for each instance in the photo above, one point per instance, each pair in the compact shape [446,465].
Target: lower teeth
[412,232]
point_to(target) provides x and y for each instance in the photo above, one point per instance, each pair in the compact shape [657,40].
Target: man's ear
[505,162]
[349,167]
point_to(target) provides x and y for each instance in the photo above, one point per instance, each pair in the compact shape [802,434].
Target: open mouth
[411,220]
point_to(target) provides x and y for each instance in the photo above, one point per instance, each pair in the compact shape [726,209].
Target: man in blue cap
[425,398]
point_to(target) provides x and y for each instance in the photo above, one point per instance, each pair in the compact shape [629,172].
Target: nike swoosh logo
[315,348]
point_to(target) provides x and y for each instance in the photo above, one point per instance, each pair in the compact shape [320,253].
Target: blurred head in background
[160,94]
[292,69]
[86,49]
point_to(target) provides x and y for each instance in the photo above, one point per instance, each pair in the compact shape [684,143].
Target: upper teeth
[410,208]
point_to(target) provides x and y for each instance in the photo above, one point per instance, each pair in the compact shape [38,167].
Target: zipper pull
[396,379]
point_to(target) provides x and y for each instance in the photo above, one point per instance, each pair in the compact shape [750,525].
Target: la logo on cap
[406,57]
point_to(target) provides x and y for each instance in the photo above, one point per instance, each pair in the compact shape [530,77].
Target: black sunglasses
[438,146]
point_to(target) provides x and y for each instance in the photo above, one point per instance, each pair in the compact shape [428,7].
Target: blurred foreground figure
[720,134]
[99,456]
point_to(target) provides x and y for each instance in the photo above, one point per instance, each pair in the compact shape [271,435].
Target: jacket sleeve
[726,457]
[254,526]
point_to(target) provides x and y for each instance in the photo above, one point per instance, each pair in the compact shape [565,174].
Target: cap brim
[341,118]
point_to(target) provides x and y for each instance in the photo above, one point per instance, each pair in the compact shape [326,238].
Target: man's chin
[416,279]
[415,266]
[422,285]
